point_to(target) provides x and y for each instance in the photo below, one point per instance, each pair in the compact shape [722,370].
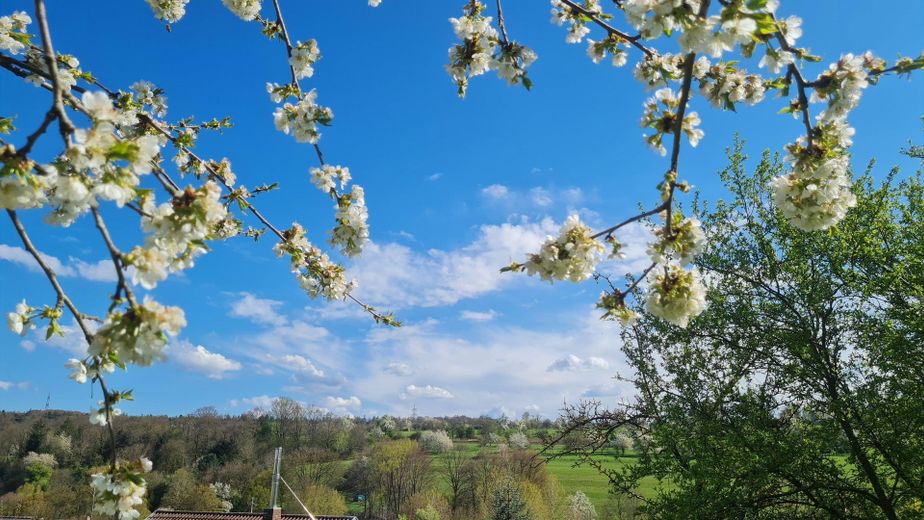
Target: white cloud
[498,364]
[258,310]
[200,359]
[495,191]
[28,345]
[101,271]
[6,385]
[399,369]
[572,363]
[260,401]
[301,365]
[397,276]
[478,316]
[540,196]
[342,402]
[429,391]
[535,199]
[73,340]
[435,177]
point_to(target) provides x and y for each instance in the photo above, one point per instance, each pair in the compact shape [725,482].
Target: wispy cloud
[258,310]
[428,391]
[101,271]
[571,363]
[478,316]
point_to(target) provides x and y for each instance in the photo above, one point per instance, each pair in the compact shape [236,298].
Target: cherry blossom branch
[633,40]
[500,22]
[609,231]
[792,71]
[280,22]
[50,116]
[79,317]
[64,123]
[117,260]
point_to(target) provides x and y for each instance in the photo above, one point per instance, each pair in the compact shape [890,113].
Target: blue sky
[456,189]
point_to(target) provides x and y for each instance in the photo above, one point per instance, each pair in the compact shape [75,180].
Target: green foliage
[797,394]
[507,503]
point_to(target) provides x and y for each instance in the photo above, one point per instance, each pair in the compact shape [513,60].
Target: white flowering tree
[119,149]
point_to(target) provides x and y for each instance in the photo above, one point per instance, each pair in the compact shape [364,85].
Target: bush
[435,441]
[518,440]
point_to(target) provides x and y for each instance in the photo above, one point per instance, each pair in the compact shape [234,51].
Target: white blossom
[683,243]
[303,118]
[675,294]
[20,320]
[13,35]
[139,334]
[573,255]
[352,230]
[304,55]
[246,10]
[118,493]
[78,370]
[169,11]
[328,176]
[148,94]
[313,270]
[815,195]
[177,229]
[775,60]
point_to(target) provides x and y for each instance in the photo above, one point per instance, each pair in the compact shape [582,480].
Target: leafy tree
[797,393]
[184,493]
[323,500]
[507,502]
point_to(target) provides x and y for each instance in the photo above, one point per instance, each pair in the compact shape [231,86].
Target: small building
[267,514]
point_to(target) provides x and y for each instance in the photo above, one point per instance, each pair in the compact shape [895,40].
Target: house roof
[163,514]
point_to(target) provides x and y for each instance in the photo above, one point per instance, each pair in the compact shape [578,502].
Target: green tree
[507,502]
[798,393]
[184,493]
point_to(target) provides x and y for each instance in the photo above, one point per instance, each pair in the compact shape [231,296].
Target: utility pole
[277,465]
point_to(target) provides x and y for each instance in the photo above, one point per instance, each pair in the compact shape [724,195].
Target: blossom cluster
[724,84]
[20,320]
[118,491]
[137,335]
[675,294]
[246,10]
[661,114]
[304,55]
[577,22]
[313,269]
[178,231]
[13,35]
[169,11]
[482,49]
[598,50]
[572,255]
[68,71]
[816,193]
[352,230]
[303,118]
[682,241]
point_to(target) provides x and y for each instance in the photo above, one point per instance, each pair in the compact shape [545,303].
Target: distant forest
[383,467]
